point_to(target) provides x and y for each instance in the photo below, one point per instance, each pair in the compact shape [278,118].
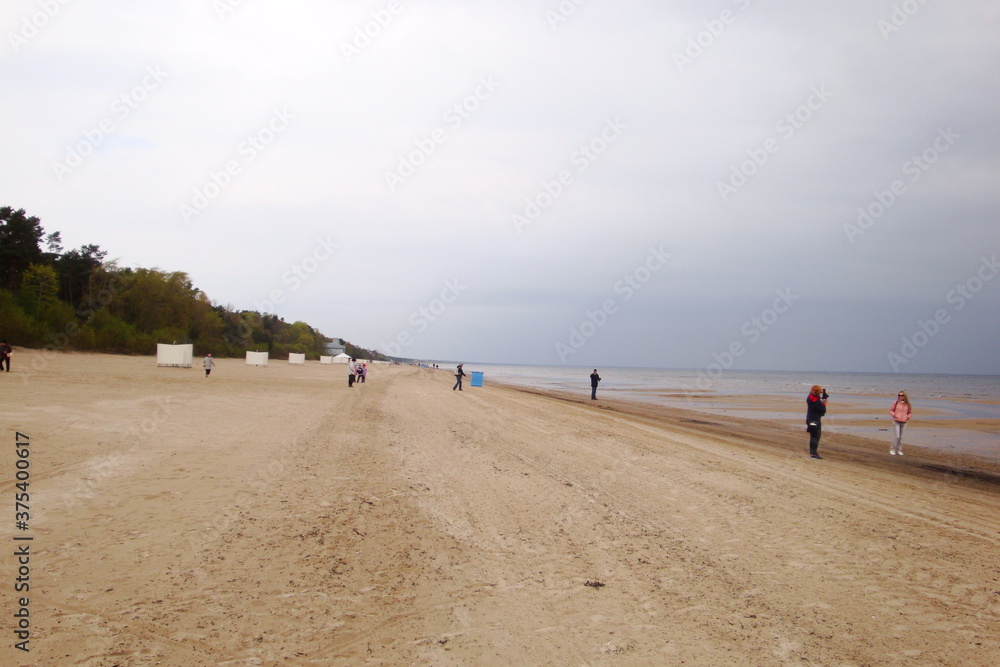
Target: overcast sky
[775,184]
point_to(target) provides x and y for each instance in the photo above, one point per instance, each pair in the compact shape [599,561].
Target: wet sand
[933,428]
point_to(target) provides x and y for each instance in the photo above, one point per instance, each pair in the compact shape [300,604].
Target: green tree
[77,270]
[18,327]
[40,283]
[153,300]
[19,238]
[77,300]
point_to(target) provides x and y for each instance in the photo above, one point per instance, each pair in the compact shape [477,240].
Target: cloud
[748,164]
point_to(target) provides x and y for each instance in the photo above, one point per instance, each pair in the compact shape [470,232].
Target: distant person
[901,412]
[352,370]
[815,409]
[594,379]
[209,364]
[459,374]
[364,373]
[5,352]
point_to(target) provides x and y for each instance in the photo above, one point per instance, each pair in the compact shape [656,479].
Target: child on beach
[901,412]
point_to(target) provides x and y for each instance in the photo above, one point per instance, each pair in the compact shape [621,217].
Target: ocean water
[853,396]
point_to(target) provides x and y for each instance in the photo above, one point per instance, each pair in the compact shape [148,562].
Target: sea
[955,401]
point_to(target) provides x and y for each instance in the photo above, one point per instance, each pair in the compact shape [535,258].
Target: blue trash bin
[477,379]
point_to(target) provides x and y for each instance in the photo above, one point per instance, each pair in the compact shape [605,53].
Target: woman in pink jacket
[901,412]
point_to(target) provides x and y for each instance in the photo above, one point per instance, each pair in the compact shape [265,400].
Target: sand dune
[269,516]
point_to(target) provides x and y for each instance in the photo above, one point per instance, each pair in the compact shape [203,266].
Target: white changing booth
[296,358]
[256,358]
[325,360]
[179,356]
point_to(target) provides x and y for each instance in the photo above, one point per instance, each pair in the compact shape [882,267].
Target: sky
[737,184]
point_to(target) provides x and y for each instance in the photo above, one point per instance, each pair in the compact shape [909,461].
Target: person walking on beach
[352,370]
[815,409]
[209,363]
[901,412]
[363,373]
[459,374]
[5,352]
[594,379]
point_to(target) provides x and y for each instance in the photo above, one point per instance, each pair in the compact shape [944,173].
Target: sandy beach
[274,516]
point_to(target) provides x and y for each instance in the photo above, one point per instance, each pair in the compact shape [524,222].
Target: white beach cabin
[178,356]
[256,358]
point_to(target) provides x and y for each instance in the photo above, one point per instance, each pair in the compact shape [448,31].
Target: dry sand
[268,516]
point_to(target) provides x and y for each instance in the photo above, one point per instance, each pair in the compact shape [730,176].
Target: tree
[153,300]
[77,300]
[53,242]
[19,238]
[77,269]
[41,283]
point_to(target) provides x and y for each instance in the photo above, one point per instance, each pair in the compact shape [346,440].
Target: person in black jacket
[459,374]
[5,352]
[594,379]
[815,409]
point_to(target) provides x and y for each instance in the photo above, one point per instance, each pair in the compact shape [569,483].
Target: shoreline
[941,423]
[847,420]
[783,438]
